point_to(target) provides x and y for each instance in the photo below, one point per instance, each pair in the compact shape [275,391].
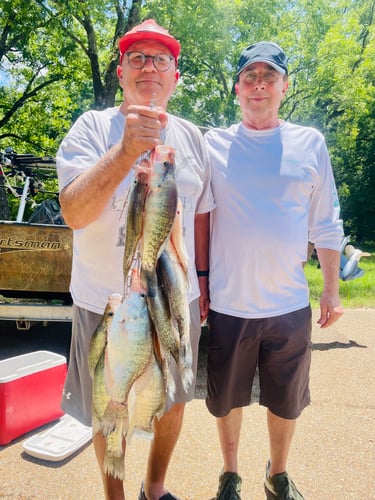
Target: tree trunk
[4,207]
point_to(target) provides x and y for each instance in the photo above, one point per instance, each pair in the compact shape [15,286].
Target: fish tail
[186,352]
[187,376]
[171,387]
[169,383]
[185,364]
[140,433]
[114,466]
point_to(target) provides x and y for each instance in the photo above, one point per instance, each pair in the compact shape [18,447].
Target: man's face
[260,90]
[147,86]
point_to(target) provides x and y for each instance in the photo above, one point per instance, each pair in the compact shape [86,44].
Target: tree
[57,58]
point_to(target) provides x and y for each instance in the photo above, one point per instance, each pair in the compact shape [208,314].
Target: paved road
[333,455]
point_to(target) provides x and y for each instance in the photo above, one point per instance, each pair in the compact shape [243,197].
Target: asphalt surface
[332,456]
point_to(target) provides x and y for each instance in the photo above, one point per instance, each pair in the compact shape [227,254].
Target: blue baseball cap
[267,52]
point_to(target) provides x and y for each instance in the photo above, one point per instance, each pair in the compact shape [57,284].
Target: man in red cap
[95,167]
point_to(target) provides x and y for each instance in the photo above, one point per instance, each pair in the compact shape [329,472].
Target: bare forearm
[202,235]
[85,198]
[202,239]
[330,266]
[330,306]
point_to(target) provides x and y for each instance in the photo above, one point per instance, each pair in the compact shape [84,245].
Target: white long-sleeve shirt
[274,190]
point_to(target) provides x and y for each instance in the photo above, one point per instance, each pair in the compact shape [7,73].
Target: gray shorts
[77,395]
[281,349]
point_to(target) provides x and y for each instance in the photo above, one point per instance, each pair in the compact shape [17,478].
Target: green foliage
[58,58]
[354,293]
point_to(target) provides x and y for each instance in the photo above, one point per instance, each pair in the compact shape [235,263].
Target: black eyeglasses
[137,60]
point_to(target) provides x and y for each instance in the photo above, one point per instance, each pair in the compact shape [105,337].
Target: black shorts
[279,346]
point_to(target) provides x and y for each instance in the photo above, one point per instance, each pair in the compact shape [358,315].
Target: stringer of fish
[130,350]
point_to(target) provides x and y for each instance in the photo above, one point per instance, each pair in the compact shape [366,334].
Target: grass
[356,293]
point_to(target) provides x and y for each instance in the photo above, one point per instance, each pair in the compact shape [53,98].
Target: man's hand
[143,127]
[330,305]
[204,300]
[330,310]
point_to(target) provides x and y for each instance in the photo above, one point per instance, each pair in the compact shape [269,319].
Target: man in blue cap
[274,189]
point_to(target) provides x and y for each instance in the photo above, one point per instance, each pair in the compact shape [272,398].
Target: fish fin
[187,377]
[177,240]
[140,433]
[171,387]
[114,466]
[95,423]
[114,441]
[114,418]
[138,386]
[156,347]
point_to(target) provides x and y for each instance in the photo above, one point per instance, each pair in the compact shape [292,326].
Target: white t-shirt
[98,248]
[274,190]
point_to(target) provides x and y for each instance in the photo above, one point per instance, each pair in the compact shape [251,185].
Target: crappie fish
[99,338]
[175,284]
[150,400]
[128,353]
[160,210]
[135,211]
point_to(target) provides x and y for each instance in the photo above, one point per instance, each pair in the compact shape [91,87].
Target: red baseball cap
[149,30]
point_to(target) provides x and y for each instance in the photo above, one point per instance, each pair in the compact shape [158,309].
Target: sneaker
[229,487]
[167,496]
[280,486]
